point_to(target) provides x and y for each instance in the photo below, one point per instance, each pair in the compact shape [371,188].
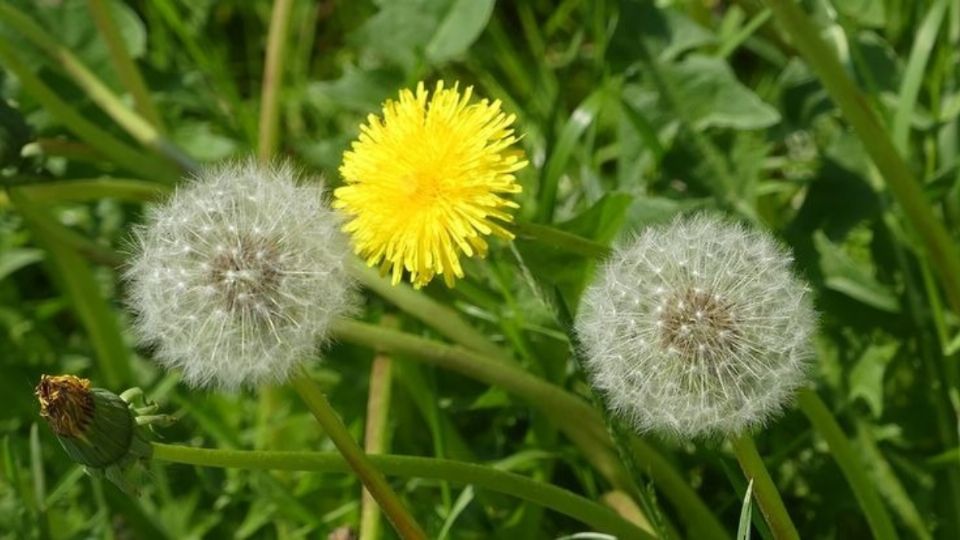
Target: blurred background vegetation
[631,112]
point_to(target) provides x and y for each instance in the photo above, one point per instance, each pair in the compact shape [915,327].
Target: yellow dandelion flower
[425,181]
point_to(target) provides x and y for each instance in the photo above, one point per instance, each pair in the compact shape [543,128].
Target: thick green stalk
[123,62]
[826,425]
[764,490]
[111,147]
[547,495]
[429,311]
[106,99]
[877,142]
[572,415]
[272,77]
[369,475]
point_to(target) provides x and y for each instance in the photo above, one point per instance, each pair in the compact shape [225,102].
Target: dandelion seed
[722,345]
[237,277]
[425,183]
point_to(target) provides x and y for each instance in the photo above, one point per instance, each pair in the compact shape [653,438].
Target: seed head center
[247,275]
[698,325]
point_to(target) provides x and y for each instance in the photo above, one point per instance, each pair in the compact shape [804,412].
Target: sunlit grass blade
[842,451]
[122,154]
[123,63]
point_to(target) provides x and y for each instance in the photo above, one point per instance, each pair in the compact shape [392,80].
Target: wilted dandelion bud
[697,328]
[95,426]
[237,277]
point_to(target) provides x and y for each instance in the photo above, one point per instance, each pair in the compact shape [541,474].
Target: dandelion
[425,182]
[237,277]
[97,428]
[697,328]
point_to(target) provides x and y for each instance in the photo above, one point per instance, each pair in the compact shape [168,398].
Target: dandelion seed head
[697,328]
[426,182]
[236,278]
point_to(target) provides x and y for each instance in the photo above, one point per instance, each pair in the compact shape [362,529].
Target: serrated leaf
[866,378]
[713,97]
[844,275]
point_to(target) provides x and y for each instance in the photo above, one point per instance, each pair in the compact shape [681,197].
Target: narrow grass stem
[877,142]
[272,77]
[369,475]
[764,490]
[123,62]
[375,436]
[552,497]
[843,453]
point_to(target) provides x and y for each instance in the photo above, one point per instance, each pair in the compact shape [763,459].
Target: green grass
[835,125]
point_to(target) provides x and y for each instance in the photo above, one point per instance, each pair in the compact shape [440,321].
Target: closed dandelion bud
[697,328]
[238,276]
[95,426]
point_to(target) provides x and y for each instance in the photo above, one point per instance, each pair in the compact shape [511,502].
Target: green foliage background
[631,111]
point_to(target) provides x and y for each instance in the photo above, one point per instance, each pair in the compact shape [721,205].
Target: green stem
[121,153]
[577,419]
[556,238]
[371,478]
[272,77]
[549,496]
[429,311]
[123,63]
[133,123]
[826,425]
[876,140]
[764,490]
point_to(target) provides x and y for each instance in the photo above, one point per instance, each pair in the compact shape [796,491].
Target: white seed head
[236,278]
[697,328]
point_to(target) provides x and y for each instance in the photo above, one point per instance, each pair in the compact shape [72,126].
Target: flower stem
[826,425]
[429,311]
[876,140]
[547,495]
[764,490]
[272,77]
[587,431]
[375,436]
[371,478]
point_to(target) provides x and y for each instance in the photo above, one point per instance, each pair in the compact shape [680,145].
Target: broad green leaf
[15,259]
[844,275]
[460,27]
[866,378]
[871,13]
[713,97]
[668,33]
